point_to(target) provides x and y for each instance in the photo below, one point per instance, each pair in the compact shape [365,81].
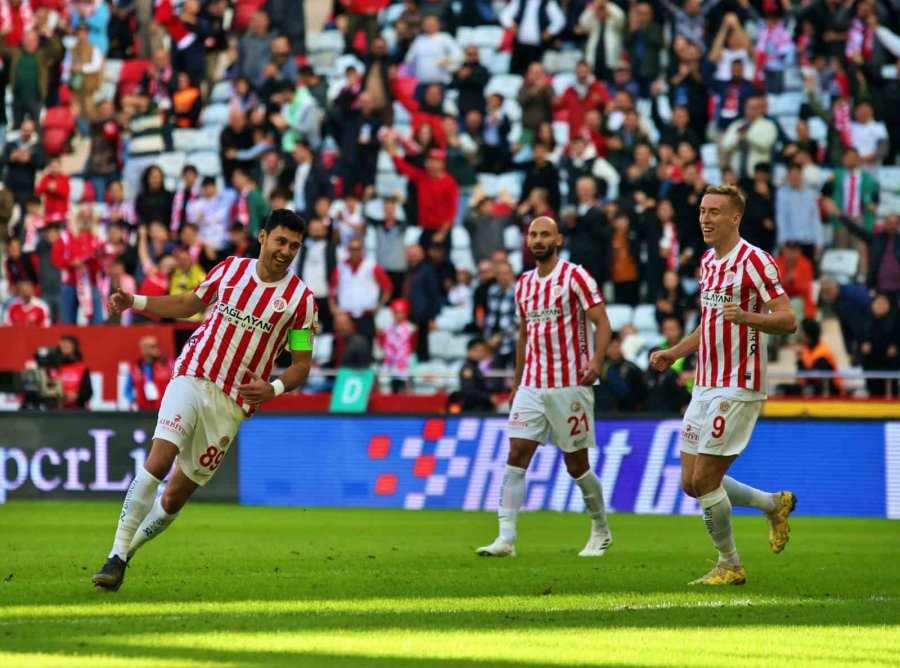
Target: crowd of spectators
[143,141]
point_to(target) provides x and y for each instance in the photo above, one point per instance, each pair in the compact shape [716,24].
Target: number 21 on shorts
[577,423]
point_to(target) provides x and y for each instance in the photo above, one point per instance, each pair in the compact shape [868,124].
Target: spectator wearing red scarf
[584,94]
[78,255]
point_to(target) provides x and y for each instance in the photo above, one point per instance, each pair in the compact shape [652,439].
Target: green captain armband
[301,339]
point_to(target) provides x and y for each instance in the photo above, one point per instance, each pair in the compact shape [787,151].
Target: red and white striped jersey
[732,355]
[248,326]
[559,345]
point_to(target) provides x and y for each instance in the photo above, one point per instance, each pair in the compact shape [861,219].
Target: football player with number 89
[259,307]
[737,281]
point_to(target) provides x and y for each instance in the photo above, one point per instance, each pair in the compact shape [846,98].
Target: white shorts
[566,414]
[201,421]
[718,424]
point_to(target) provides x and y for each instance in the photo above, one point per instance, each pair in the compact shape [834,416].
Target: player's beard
[543,255]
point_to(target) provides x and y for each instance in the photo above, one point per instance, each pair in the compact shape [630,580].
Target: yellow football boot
[779,526]
[722,574]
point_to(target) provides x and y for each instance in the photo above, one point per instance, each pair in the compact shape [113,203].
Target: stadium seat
[411,236]
[515,260]
[390,184]
[331,41]
[455,348]
[391,14]
[385,163]
[221,92]
[56,130]
[345,61]
[131,74]
[709,154]
[512,238]
[840,263]
[619,315]
[453,319]
[383,318]
[499,63]
[488,36]
[112,69]
[645,318]
[459,239]
[562,81]
[890,203]
[561,132]
[172,163]
[462,259]
[465,36]
[561,61]
[401,115]
[507,85]
[712,174]
[889,179]
[322,349]
[76,188]
[215,114]
[430,377]
[438,342]
[206,162]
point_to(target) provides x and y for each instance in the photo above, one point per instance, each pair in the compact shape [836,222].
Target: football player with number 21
[552,389]
[742,300]
[258,308]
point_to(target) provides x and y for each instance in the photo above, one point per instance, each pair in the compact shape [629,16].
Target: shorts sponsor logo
[173,425]
[576,407]
[515,421]
[724,407]
[689,435]
[278,305]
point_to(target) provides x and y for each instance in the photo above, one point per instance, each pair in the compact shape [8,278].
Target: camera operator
[72,375]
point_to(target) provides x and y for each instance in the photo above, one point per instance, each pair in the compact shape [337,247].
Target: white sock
[593,499]
[138,501]
[512,494]
[717,516]
[746,496]
[157,521]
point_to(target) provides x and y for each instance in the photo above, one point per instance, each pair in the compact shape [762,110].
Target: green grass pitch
[237,586]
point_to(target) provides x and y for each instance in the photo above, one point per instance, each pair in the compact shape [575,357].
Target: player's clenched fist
[661,360]
[734,313]
[119,301]
[591,373]
[256,391]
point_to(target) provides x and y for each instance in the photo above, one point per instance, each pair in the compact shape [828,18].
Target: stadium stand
[310,118]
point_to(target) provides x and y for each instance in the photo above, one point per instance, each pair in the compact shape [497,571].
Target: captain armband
[301,339]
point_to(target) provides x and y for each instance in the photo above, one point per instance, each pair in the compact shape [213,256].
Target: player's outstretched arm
[780,319]
[169,306]
[597,315]
[663,359]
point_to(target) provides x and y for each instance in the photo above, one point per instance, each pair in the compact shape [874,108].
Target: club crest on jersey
[729,278]
[556,290]
[575,406]
[278,305]
[724,406]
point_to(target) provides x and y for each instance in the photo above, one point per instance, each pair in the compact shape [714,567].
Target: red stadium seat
[131,74]
[57,129]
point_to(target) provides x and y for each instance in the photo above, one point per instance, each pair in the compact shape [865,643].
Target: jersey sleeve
[765,276]
[209,288]
[306,322]
[585,288]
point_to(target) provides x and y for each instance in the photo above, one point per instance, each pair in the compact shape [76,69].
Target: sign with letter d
[351,390]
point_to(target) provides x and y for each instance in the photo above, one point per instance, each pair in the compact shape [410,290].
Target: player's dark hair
[287,219]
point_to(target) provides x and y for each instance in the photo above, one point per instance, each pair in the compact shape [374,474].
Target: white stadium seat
[840,263]
[215,114]
[619,315]
[507,85]
[512,238]
[645,318]
[322,350]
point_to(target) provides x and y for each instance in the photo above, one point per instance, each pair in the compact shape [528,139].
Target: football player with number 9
[737,282]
